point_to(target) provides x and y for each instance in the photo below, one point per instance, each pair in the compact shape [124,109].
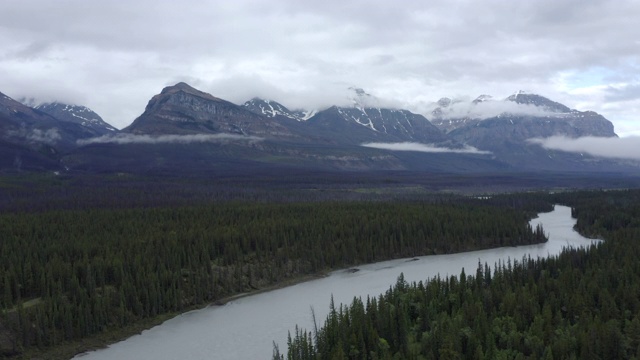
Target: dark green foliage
[583,304]
[70,273]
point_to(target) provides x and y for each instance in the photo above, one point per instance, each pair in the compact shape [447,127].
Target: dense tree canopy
[583,304]
[70,272]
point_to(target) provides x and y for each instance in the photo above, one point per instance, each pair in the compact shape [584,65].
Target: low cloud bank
[617,148]
[49,136]
[168,139]
[411,146]
[489,109]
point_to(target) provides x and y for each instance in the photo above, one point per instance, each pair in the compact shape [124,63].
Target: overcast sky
[114,55]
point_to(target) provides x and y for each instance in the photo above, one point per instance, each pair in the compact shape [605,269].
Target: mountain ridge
[182,125]
[181,109]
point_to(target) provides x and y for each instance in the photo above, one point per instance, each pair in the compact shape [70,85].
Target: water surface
[246,328]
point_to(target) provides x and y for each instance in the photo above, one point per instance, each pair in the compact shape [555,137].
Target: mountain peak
[525,98]
[180,109]
[188,89]
[76,114]
[181,86]
[483,98]
[359,91]
[271,108]
[444,102]
[361,99]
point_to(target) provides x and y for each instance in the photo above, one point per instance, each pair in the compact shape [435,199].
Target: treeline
[44,192]
[67,274]
[583,304]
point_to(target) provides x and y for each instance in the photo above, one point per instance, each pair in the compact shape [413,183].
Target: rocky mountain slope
[543,116]
[505,127]
[77,114]
[366,120]
[32,139]
[181,109]
[360,125]
[273,109]
[183,127]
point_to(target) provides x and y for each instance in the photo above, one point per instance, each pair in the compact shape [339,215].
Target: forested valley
[75,263]
[583,304]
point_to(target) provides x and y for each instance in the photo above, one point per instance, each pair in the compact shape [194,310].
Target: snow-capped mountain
[77,114]
[330,139]
[363,121]
[483,98]
[361,99]
[271,109]
[446,114]
[389,124]
[32,139]
[536,109]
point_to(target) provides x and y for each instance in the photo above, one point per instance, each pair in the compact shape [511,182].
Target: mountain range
[185,129]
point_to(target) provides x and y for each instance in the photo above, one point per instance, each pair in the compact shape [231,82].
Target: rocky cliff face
[181,109]
[268,133]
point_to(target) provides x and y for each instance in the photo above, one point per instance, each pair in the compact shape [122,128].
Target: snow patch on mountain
[361,117]
[75,113]
[307,114]
[271,109]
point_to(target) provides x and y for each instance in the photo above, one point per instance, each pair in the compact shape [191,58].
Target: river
[246,328]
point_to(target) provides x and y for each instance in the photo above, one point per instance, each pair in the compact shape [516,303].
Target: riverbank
[247,328]
[103,340]
[100,341]
[115,266]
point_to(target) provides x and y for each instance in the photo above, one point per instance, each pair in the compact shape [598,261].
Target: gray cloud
[618,148]
[49,136]
[488,109]
[428,148]
[113,56]
[166,139]
[623,93]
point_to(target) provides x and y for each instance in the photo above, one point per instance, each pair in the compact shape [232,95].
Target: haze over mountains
[185,129]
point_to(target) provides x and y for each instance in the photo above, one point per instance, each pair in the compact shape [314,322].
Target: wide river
[246,328]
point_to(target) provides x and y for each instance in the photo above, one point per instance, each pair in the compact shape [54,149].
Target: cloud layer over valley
[168,139]
[617,148]
[411,146]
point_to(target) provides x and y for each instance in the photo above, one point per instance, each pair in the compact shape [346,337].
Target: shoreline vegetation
[101,273]
[85,266]
[69,350]
[583,303]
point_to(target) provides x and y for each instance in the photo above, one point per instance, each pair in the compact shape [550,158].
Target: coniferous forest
[83,256]
[583,304]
